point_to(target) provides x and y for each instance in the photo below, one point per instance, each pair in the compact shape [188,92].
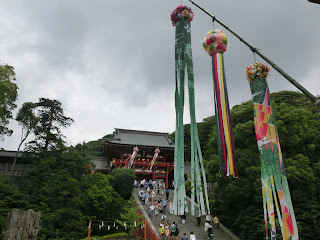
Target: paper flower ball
[216,41]
[181,12]
[257,71]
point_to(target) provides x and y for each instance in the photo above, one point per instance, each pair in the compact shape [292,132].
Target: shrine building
[118,149]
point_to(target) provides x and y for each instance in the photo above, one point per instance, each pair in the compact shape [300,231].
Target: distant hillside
[93,148]
[238,202]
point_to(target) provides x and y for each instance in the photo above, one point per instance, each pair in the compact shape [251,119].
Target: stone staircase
[220,233]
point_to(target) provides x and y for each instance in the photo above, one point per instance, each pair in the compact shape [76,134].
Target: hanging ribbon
[133,155]
[181,18]
[150,165]
[274,181]
[215,44]
[126,163]
[129,163]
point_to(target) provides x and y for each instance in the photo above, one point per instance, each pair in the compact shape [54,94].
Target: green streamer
[274,181]
[183,64]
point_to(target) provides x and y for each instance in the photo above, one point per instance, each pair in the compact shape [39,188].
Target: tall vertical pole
[167,181]
[255,50]
[89,229]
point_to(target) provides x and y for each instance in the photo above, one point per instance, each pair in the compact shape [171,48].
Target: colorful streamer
[274,181]
[181,18]
[215,44]
[132,157]
[150,165]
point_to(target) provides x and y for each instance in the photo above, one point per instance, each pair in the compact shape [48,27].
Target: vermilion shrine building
[120,147]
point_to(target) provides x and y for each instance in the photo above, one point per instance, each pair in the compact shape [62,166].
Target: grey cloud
[111,63]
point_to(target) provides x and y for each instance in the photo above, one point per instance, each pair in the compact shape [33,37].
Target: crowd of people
[208,227]
[156,196]
[152,194]
[170,231]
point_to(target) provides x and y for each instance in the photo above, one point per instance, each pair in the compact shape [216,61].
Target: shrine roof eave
[127,137]
[139,146]
[10,154]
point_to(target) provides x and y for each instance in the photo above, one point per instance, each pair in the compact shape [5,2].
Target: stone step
[190,225]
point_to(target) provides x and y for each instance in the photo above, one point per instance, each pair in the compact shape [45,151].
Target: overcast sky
[111,63]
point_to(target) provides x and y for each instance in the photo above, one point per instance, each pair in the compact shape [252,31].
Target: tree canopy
[27,119]
[48,133]
[8,97]
[61,185]
[238,202]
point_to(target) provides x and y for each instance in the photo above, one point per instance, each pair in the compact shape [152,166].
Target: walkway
[220,233]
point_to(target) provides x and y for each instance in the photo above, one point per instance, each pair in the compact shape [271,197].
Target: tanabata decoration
[181,18]
[275,187]
[150,165]
[128,162]
[215,44]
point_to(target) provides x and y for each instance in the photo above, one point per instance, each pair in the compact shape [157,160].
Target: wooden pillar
[167,181]
[145,229]
[89,229]
[154,175]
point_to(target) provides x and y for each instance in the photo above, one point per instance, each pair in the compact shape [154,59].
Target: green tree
[10,198]
[94,148]
[57,192]
[122,181]
[130,218]
[8,97]
[67,160]
[59,199]
[63,224]
[48,133]
[28,121]
[100,200]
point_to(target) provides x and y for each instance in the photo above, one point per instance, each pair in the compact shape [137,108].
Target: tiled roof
[141,138]
[10,154]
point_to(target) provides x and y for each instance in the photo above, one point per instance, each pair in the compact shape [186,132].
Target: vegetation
[8,97]
[238,202]
[10,198]
[130,216]
[62,187]
[27,119]
[120,177]
[94,148]
[69,196]
[47,132]
[110,236]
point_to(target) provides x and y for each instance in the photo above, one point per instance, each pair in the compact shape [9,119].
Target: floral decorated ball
[257,71]
[216,41]
[181,12]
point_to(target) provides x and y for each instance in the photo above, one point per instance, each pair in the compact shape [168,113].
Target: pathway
[221,233]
